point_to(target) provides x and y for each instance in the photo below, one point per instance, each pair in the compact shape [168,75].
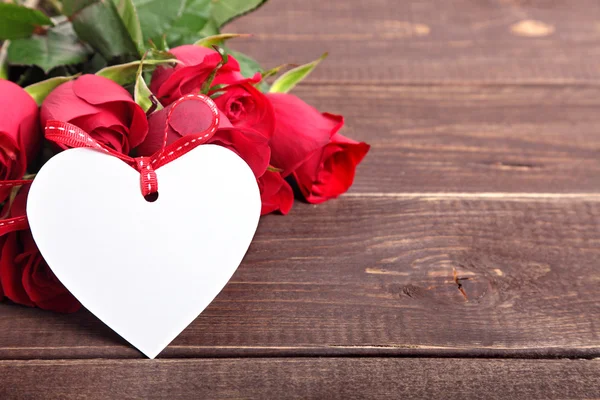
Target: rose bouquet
[115,69]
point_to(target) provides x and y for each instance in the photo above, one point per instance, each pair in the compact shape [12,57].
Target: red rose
[189,117]
[20,137]
[100,107]
[306,143]
[193,116]
[246,107]
[300,130]
[329,172]
[197,63]
[275,193]
[25,276]
[251,146]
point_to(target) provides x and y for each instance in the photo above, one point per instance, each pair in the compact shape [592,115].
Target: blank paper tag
[146,269]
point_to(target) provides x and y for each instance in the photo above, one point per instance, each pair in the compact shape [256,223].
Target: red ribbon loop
[148,180]
[71,136]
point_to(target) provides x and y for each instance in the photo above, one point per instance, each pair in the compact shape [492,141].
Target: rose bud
[20,136]
[329,172]
[300,130]
[306,143]
[197,64]
[192,117]
[100,107]
[246,107]
[275,193]
[25,276]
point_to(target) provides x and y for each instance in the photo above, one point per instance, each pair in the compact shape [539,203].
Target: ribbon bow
[72,136]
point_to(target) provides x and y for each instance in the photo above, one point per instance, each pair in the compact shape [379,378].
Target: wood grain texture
[471,238]
[415,41]
[473,139]
[308,378]
[375,277]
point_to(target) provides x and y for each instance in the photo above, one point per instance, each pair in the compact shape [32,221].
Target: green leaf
[126,74]
[154,54]
[249,67]
[276,70]
[59,46]
[71,7]
[290,79]
[99,24]
[186,21]
[193,23]
[39,91]
[216,40]
[18,22]
[157,16]
[129,16]
[226,10]
[142,94]
[210,29]
[94,64]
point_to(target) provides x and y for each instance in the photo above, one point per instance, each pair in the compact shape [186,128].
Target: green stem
[207,84]
[3,62]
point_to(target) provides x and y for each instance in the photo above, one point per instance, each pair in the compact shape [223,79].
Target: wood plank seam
[482,196]
[332,351]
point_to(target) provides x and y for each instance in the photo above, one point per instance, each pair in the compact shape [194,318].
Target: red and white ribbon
[72,136]
[16,223]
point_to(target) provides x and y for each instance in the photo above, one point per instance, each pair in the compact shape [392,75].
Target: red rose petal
[191,117]
[11,274]
[95,89]
[275,193]
[300,131]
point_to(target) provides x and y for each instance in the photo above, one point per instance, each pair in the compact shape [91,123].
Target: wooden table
[465,261]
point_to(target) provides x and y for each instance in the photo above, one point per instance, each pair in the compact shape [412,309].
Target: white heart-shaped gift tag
[146,269]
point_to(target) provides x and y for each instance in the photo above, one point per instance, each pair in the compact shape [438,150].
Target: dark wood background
[484,121]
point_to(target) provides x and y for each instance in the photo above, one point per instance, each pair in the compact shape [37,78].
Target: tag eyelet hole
[152,197]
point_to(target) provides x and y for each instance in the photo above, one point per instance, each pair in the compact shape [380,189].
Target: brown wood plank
[430,40]
[309,378]
[504,139]
[375,277]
